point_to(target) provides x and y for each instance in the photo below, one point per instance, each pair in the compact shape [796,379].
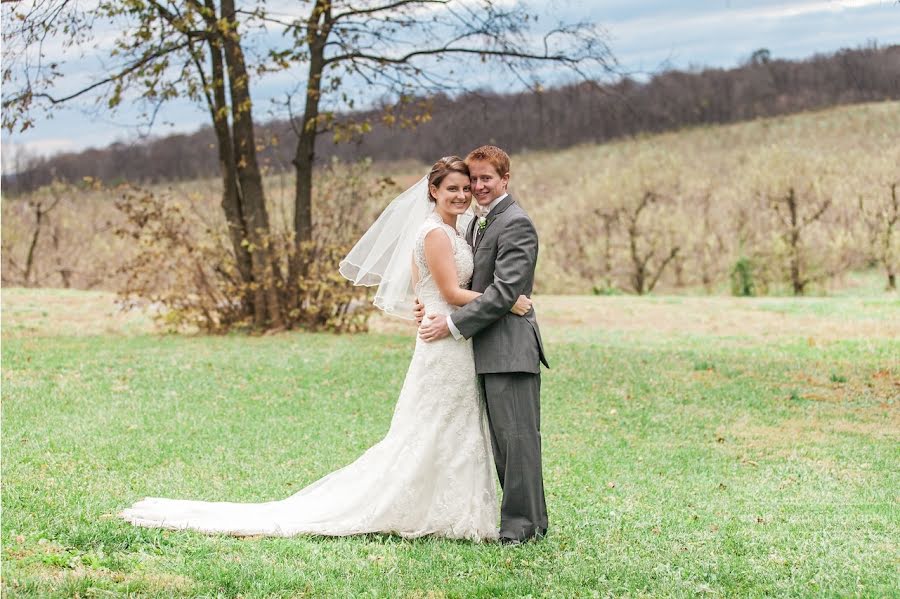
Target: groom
[508,348]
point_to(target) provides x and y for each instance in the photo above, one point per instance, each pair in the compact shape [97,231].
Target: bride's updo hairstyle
[442,168]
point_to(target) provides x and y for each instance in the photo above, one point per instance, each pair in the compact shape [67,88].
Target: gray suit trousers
[514,411]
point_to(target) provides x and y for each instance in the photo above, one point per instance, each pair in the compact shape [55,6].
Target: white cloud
[670,23]
[726,33]
[630,27]
[42,147]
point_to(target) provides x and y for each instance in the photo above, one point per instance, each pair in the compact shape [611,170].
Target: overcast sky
[644,35]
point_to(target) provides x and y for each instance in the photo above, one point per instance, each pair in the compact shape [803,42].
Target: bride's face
[454,195]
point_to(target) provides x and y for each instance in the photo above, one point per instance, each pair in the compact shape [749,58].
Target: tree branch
[353,12]
[444,50]
[142,62]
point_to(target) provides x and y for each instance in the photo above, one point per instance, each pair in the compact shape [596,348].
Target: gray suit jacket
[505,257]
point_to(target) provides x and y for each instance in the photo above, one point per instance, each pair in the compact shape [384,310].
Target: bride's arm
[439,256]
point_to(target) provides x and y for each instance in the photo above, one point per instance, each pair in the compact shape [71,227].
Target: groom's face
[487,184]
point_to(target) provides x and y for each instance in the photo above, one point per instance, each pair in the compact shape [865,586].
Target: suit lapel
[470,232]
[492,216]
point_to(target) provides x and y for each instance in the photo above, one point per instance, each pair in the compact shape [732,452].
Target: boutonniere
[482,223]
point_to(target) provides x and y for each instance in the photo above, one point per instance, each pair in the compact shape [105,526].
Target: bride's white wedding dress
[432,474]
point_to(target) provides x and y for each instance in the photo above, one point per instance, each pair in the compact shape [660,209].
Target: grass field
[692,446]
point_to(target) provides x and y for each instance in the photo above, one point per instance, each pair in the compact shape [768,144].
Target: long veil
[383,255]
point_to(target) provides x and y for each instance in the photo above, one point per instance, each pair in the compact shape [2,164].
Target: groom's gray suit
[508,353]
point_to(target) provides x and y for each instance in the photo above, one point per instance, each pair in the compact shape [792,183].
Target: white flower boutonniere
[482,223]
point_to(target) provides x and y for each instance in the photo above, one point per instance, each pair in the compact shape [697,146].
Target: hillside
[717,196]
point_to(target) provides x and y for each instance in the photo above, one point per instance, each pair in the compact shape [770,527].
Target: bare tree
[881,220]
[42,208]
[789,208]
[709,245]
[648,250]
[577,246]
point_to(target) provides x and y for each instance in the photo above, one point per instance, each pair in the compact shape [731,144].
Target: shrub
[742,283]
[185,265]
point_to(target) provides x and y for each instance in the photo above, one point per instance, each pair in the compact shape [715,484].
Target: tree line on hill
[534,120]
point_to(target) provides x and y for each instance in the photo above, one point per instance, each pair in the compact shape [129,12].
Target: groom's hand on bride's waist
[418,312]
[434,328]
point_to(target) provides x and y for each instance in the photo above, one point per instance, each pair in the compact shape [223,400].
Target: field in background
[712,192]
[29,313]
[692,445]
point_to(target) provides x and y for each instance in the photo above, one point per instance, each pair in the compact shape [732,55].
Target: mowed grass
[692,446]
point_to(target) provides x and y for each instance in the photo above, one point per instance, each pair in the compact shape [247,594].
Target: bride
[433,473]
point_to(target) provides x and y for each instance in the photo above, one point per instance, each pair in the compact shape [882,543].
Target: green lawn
[680,459]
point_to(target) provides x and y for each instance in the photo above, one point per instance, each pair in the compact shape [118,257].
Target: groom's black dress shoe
[509,541]
[538,535]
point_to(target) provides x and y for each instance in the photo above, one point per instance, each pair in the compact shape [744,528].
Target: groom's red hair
[493,155]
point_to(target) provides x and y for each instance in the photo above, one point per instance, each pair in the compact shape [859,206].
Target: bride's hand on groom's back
[522,306]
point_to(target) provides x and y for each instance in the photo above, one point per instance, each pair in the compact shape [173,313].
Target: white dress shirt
[453,330]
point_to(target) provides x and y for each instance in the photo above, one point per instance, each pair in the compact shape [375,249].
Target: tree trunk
[65,273]
[607,251]
[678,267]
[638,275]
[266,275]
[797,282]
[305,153]
[29,259]
[303,170]
[888,239]
[231,200]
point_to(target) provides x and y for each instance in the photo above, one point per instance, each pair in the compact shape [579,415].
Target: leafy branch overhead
[399,49]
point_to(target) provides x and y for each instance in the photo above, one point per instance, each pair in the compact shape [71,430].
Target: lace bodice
[427,290]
